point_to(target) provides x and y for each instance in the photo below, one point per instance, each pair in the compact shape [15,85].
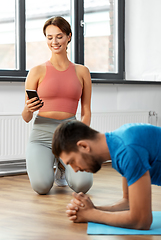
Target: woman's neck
[60,62]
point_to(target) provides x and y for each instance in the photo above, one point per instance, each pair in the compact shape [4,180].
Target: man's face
[82,161]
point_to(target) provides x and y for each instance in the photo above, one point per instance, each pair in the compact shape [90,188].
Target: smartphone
[32,93]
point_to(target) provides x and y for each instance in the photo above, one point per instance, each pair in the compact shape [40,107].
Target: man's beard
[93,162]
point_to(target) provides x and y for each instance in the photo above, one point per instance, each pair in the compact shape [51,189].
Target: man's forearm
[117,219]
[122,205]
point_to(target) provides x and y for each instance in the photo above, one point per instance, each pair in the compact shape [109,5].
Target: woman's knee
[39,163]
[78,181]
[41,187]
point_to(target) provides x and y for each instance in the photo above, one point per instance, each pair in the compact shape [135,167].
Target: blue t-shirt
[136,148]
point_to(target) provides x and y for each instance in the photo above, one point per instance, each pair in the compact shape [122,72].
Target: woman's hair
[68,133]
[59,22]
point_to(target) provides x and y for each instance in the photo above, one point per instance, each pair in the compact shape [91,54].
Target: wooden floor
[25,215]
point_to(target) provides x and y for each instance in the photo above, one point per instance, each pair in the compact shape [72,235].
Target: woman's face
[57,41]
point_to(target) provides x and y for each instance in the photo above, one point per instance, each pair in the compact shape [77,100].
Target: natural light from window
[7,33]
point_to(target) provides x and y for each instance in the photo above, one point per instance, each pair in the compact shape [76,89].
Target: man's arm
[139,215]
[121,205]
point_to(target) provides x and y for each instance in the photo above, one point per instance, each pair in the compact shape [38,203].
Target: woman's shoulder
[36,74]
[39,69]
[83,74]
[81,68]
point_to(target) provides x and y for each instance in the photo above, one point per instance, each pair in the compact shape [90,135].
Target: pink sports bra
[60,90]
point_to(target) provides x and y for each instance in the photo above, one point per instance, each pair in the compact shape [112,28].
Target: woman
[60,84]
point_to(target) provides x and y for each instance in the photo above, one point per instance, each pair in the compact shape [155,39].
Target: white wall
[12,97]
[127,97]
[111,97]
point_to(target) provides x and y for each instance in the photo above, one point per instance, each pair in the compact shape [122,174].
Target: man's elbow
[143,223]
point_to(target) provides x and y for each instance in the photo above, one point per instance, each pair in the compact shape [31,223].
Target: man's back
[134,149]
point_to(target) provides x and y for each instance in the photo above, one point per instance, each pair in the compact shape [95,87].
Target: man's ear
[83,146]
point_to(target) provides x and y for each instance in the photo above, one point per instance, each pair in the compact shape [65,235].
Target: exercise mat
[102,229]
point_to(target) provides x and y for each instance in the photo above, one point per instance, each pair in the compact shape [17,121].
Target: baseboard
[12,167]
[107,162]
[18,167]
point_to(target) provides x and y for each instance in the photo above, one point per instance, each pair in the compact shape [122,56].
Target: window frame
[105,78]
[79,48]
[20,74]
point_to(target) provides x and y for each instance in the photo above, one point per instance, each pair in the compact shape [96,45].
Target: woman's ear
[69,37]
[83,146]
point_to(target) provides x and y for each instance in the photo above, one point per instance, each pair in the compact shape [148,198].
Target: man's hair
[68,133]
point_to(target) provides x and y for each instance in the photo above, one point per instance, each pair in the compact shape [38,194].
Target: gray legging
[40,159]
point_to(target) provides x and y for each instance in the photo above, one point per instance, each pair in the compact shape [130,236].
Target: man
[135,151]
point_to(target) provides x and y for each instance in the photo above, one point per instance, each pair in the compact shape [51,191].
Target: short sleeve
[134,163]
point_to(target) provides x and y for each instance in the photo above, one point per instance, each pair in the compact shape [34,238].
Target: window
[37,12]
[97,41]
[99,36]
[12,43]
[101,39]
[7,39]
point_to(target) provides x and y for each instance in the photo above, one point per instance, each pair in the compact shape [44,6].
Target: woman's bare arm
[85,79]
[32,81]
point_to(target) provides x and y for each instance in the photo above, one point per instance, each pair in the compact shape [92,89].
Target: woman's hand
[80,208]
[33,104]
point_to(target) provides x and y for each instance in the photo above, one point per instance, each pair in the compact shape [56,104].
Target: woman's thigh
[40,162]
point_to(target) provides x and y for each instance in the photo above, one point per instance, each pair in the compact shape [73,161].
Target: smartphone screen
[32,93]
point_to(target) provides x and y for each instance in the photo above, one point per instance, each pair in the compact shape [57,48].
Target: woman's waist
[49,124]
[56,115]
[59,106]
